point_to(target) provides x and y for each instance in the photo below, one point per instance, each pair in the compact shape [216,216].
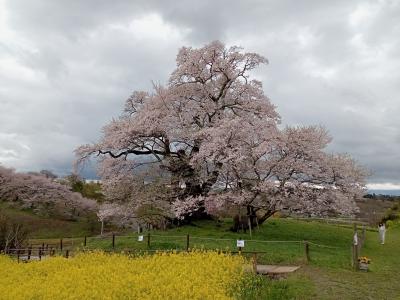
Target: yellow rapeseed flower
[193,275]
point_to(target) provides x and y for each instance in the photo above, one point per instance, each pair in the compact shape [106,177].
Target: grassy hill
[47,227]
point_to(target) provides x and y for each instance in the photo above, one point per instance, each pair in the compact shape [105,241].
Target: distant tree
[75,182]
[42,195]
[216,134]
[48,174]
[91,190]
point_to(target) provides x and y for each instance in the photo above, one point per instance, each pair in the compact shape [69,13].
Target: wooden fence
[150,243]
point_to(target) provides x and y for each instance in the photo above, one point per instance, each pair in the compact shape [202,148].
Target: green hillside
[47,227]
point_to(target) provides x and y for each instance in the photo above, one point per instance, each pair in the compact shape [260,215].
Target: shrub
[12,235]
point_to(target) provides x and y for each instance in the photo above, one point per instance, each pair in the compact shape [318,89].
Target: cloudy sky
[66,68]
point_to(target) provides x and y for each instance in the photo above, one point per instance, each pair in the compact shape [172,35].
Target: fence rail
[295,251]
[38,253]
[148,238]
[267,251]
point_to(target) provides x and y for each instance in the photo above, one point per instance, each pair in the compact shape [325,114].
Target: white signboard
[240,243]
[140,238]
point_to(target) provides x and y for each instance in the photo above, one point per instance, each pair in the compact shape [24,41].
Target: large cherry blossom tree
[216,134]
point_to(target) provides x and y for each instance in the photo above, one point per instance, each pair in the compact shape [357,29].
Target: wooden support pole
[187,242]
[363,235]
[61,245]
[113,240]
[307,250]
[67,253]
[84,243]
[29,252]
[40,253]
[355,248]
[148,240]
[255,262]
[249,222]
[355,257]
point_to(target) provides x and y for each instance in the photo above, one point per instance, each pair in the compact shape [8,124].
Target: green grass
[48,227]
[381,282]
[280,239]
[261,287]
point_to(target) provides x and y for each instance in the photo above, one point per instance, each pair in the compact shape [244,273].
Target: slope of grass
[46,227]
[280,241]
[381,282]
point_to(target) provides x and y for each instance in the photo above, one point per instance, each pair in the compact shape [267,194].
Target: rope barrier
[323,246]
[180,238]
[168,236]
[259,241]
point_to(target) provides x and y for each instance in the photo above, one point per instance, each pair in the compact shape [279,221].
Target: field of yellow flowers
[193,275]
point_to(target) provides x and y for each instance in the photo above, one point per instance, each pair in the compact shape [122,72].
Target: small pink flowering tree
[42,194]
[216,135]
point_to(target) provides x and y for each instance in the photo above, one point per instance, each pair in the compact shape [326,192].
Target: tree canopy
[217,137]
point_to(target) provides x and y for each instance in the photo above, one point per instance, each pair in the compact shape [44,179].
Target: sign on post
[140,238]
[240,243]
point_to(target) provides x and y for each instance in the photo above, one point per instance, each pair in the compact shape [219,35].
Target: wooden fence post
[187,242]
[355,257]
[363,233]
[113,240]
[249,223]
[84,243]
[355,247]
[255,262]
[307,250]
[67,254]
[40,253]
[29,252]
[61,245]
[148,240]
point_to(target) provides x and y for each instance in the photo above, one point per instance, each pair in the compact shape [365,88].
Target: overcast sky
[66,68]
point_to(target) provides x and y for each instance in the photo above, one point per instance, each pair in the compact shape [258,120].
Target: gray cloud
[67,66]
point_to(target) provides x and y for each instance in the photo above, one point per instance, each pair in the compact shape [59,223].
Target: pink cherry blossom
[217,138]
[42,194]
